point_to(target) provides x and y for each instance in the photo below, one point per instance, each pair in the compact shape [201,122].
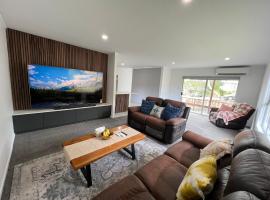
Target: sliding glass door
[193,93]
[202,93]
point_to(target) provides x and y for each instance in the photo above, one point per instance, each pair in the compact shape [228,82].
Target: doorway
[203,93]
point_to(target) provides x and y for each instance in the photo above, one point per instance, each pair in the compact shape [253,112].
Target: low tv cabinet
[30,120]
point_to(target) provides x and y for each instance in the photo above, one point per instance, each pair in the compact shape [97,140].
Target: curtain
[262,118]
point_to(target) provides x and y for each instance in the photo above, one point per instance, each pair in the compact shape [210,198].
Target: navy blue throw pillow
[147,106]
[171,112]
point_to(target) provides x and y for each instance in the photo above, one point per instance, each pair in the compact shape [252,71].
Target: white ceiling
[153,32]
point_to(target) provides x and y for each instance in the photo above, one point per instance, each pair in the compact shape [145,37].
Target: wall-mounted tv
[51,87]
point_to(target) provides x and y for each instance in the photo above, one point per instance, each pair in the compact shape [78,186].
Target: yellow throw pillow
[199,179]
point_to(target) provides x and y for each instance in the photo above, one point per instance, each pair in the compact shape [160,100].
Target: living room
[134,99]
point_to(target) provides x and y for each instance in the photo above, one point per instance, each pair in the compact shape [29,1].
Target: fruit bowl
[106,134]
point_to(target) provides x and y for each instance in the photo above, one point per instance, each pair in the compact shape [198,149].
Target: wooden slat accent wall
[121,103]
[25,49]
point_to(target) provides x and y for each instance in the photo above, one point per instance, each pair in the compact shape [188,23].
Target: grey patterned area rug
[51,177]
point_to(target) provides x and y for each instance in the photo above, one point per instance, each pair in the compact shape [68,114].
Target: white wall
[248,88]
[165,83]
[6,108]
[124,79]
[145,82]
[111,81]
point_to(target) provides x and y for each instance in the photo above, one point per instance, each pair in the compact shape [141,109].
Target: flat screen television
[51,87]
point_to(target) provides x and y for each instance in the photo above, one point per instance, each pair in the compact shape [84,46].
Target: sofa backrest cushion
[175,103]
[158,101]
[250,172]
[250,140]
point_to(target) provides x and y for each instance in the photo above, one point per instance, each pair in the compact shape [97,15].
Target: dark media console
[24,121]
[73,105]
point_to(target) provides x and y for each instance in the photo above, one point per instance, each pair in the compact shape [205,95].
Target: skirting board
[7,165]
[122,114]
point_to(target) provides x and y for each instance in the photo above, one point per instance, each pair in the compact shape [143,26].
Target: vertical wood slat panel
[121,103]
[25,49]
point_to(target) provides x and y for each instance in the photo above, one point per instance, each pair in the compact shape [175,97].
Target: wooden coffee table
[84,150]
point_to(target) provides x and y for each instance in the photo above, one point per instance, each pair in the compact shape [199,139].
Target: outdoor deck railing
[198,104]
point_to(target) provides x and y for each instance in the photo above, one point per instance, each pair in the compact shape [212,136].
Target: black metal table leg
[131,152]
[86,171]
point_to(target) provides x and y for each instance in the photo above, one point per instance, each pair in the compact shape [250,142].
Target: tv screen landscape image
[53,86]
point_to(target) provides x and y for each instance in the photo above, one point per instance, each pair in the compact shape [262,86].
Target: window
[201,94]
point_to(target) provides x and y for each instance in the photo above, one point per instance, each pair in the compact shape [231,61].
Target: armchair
[239,123]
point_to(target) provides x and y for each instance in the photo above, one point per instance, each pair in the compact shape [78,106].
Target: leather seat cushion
[155,123]
[128,188]
[162,176]
[184,152]
[250,171]
[138,117]
[241,195]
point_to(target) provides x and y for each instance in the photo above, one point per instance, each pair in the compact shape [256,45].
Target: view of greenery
[222,88]
[200,95]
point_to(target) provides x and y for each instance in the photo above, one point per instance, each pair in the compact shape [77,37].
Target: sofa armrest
[175,121]
[186,112]
[213,110]
[224,161]
[196,139]
[134,108]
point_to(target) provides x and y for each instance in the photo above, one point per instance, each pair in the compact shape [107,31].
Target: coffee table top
[86,149]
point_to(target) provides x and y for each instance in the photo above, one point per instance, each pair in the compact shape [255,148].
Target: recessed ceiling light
[173,63]
[104,37]
[186,1]
[227,58]
[122,64]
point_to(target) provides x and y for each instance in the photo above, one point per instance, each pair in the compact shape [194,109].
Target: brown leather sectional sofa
[166,131]
[243,176]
